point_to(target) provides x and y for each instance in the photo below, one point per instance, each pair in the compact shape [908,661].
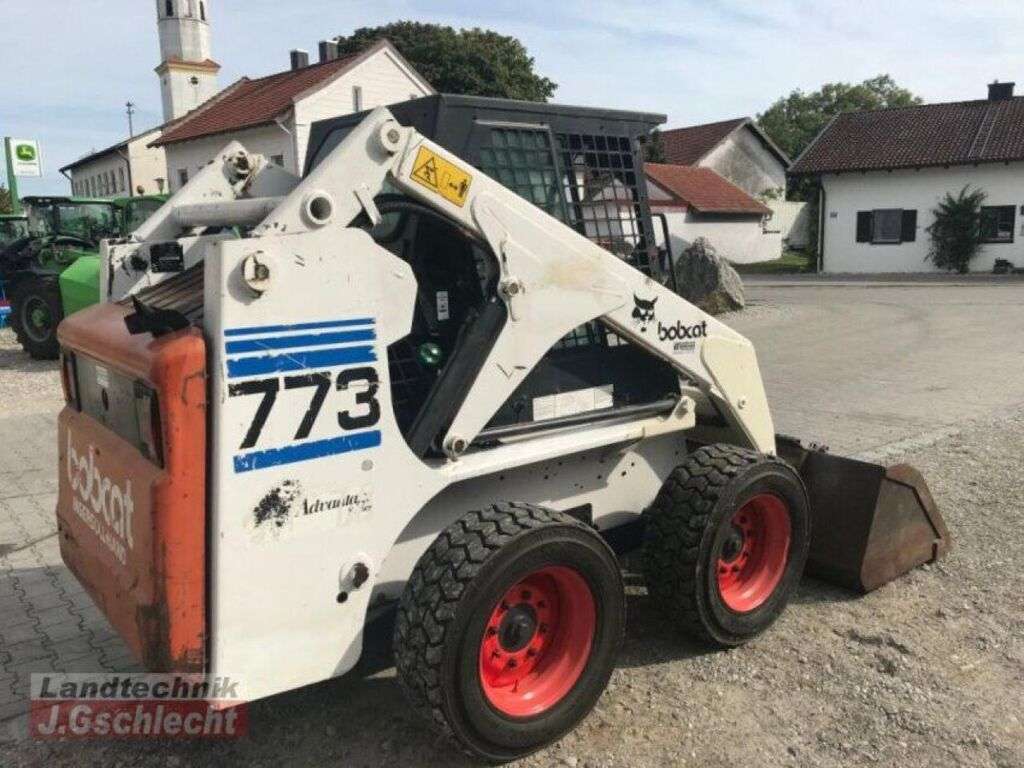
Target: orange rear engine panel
[132,531]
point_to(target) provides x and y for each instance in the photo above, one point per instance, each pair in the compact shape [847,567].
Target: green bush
[956,231]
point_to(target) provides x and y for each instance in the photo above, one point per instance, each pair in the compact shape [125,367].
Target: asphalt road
[870,369]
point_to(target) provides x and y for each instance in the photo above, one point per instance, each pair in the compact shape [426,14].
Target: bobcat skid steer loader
[451,392]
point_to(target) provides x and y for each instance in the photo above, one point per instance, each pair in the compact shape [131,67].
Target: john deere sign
[25,157]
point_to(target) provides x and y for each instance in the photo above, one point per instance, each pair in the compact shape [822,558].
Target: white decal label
[102,377]
[571,403]
[442,305]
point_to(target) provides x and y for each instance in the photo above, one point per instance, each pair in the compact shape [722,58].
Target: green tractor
[54,269]
[12,227]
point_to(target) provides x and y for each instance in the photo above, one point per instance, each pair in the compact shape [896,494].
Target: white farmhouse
[272,115]
[128,168]
[881,173]
[737,150]
[697,202]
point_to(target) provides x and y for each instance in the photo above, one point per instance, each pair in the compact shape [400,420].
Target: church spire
[188,74]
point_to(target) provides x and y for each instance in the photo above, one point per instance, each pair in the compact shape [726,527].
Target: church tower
[188,76]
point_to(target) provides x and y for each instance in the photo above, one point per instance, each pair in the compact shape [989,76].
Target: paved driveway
[870,369]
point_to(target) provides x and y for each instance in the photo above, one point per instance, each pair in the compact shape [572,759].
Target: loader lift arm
[552,279]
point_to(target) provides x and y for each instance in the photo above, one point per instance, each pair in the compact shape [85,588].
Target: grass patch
[791,262]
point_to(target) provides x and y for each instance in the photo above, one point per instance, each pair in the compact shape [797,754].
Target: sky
[69,66]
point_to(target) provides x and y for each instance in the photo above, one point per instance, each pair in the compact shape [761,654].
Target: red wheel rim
[754,554]
[537,641]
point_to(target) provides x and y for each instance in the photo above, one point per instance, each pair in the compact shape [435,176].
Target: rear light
[147,415]
[69,379]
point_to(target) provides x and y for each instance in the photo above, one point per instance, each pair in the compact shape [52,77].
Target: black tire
[33,298]
[448,602]
[687,536]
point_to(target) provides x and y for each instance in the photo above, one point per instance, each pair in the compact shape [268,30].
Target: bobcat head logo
[643,312]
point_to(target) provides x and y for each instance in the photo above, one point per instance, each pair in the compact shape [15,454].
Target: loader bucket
[870,524]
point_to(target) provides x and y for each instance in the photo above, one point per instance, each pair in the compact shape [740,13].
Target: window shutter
[864,226]
[909,230]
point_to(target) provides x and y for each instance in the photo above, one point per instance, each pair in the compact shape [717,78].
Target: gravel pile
[927,671]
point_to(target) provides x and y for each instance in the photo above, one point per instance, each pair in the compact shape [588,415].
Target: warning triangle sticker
[427,173]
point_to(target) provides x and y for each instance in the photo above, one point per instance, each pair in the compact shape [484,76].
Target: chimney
[328,50]
[299,58]
[1000,91]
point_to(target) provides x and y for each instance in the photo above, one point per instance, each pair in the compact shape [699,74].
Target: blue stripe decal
[305,340]
[297,327]
[273,457]
[300,361]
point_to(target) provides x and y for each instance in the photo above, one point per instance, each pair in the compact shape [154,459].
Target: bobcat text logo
[683,335]
[643,312]
[106,507]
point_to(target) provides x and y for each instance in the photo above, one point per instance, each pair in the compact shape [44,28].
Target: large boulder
[706,279]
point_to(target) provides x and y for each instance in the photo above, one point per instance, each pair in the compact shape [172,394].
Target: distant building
[188,76]
[881,174]
[736,150]
[128,168]
[697,202]
[272,115]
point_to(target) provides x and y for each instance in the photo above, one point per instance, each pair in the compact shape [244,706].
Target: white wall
[740,239]
[792,220]
[747,163]
[192,155]
[382,78]
[149,164]
[846,194]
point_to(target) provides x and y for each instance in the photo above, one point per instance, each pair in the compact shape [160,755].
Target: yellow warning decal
[438,175]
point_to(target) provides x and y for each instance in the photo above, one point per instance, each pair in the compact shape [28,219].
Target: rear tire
[725,543]
[508,628]
[36,310]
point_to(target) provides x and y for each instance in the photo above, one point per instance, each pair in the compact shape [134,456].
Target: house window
[887,226]
[182,177]
[202,10]
[277,160]
[357,98]
[120,179]
[169,7]
[997,223]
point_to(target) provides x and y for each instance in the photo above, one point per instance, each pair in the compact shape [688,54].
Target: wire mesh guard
[588,181]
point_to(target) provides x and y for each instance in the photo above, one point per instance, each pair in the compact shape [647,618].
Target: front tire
[726,540]
[36,310]
[509,627]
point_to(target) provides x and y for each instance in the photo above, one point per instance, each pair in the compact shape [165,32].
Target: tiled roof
[253,102]
[701,189]
[686,146]
[958,133]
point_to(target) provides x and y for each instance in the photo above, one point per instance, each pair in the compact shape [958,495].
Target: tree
[654,148]
[476,62]
[957,230]
[794,120]
[5,199]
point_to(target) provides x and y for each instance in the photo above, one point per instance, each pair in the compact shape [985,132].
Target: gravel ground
[926,671]
[26,385]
